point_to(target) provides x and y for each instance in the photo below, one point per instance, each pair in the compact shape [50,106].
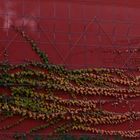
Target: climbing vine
[37,90]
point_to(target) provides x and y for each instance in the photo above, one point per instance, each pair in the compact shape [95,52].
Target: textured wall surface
[81,34]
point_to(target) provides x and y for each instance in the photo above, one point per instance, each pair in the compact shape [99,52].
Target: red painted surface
[77,34]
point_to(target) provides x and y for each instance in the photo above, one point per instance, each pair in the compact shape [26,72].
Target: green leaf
[38,138]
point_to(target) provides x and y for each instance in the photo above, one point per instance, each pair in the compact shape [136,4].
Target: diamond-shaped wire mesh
[74,34]
[77,34]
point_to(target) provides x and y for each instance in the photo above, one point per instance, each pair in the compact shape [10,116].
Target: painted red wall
[77,34]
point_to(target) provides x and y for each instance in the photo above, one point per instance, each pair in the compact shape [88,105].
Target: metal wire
[70,20]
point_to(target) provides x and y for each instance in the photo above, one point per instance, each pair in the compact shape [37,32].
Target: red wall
[81,34]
